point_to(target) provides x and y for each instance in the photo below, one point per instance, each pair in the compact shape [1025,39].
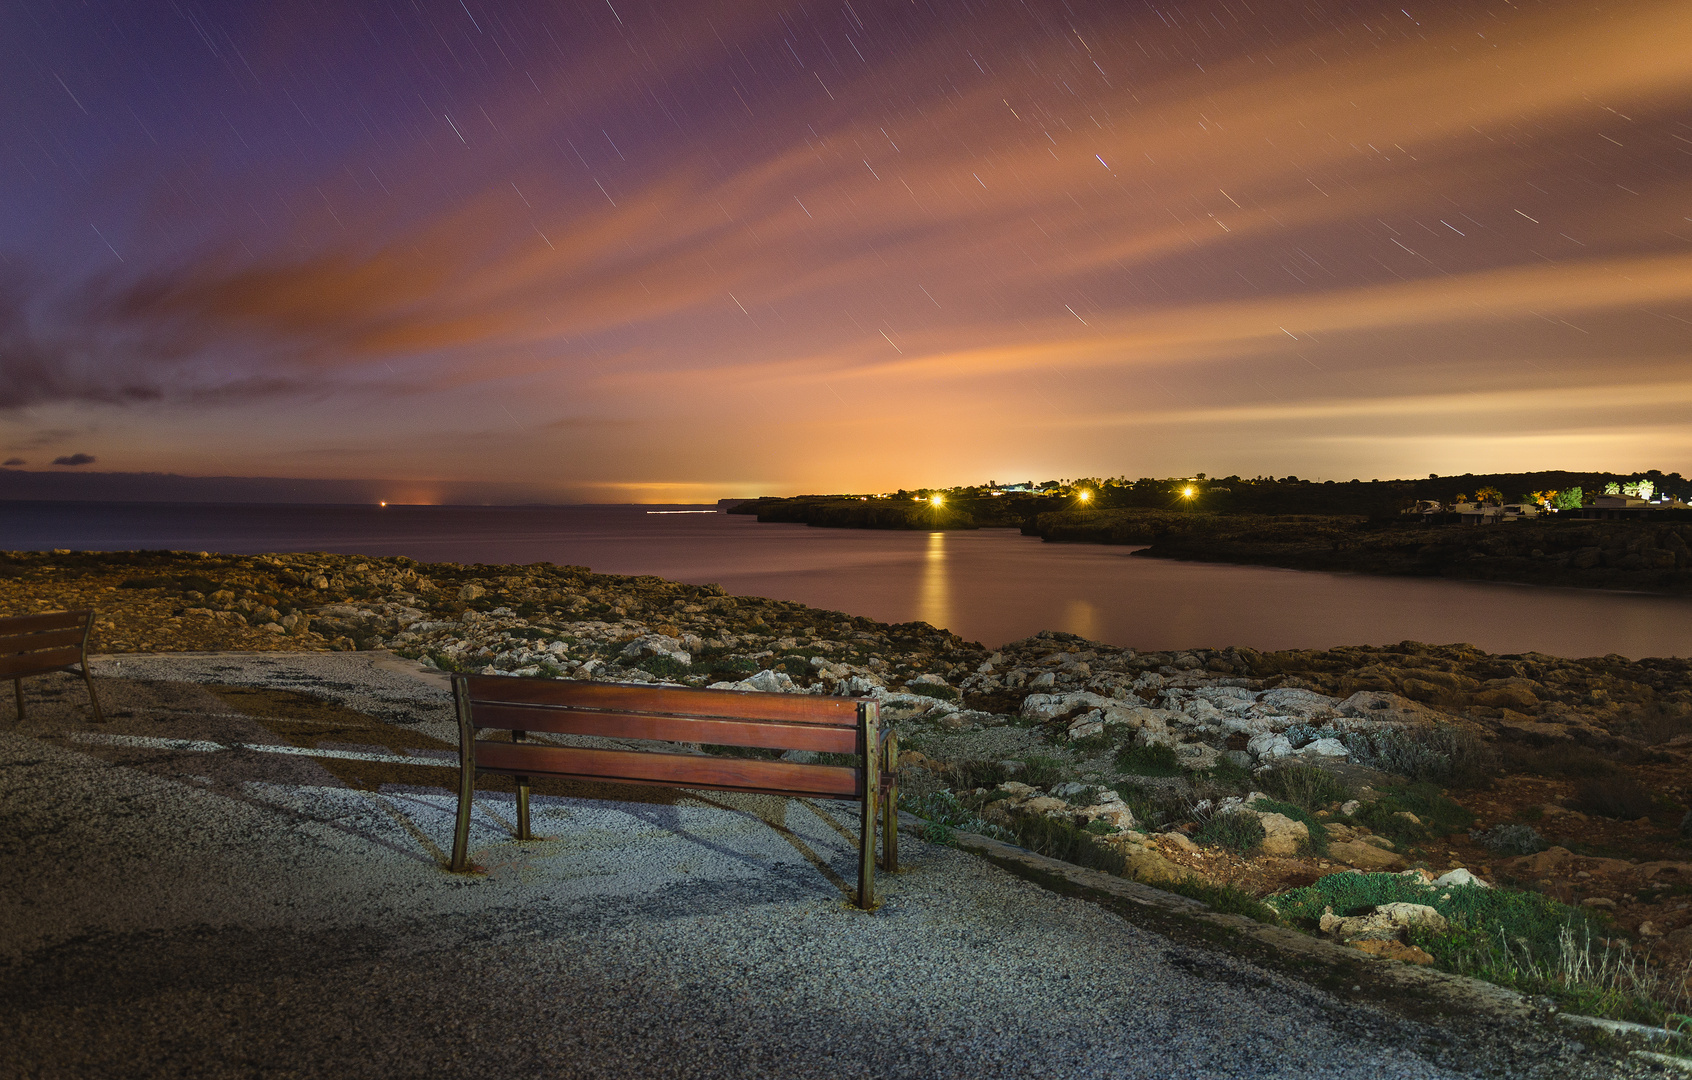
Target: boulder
[1196,756]
[469,591]
[771,682]
[1364,856]
[656,645]
[1384,707]
[1304,704]
[1329,748]
[1044,804]
[1269,746]
[1283,835]
[1420,916]
[1459,876]
[1145,864]
[1547,861]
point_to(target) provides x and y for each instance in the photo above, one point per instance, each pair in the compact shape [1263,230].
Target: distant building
[1619,507]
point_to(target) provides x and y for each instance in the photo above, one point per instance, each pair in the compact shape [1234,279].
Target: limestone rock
[1283,835]
[1390,949]
[1459,876]
[1545,862]
[1413,915]
[656,645]
[1044,804]
[471,591]
[1147,865]
[1269,746]
[1329,748]
[1363,856]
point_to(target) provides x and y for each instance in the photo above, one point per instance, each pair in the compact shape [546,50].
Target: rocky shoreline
[1651,556]
[1262,772]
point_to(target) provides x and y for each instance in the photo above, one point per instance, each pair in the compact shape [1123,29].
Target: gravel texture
[183,911]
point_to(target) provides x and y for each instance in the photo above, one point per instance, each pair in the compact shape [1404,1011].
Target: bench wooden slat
[36,663]
[47,620]
[11,644]
[674,770]
[681,701]
[761,733]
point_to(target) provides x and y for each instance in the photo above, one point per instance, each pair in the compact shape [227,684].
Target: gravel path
[186,910]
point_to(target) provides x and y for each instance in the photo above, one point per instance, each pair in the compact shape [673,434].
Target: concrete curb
[1325,964]
[1420,992]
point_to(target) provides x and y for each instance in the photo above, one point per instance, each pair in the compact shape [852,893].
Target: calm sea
[991,586]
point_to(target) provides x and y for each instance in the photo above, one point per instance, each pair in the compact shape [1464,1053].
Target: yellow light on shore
[1187,492]
[1083,495]
[937,500]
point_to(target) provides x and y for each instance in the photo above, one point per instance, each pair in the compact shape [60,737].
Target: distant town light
[381,504]
[937,500]
[1187,492]
[1083,495]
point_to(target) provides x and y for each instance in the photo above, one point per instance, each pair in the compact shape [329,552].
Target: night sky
[643,251]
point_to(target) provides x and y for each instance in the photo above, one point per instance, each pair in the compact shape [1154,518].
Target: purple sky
[636,251]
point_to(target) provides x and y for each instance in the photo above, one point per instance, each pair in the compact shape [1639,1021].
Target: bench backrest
[51,641]
[669,714]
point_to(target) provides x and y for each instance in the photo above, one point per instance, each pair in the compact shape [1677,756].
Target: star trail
[651,251]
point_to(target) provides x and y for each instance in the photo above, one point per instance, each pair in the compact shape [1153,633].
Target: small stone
[471,591]
[1649,929]
[1603,902]
[1459,876]
[1350,807]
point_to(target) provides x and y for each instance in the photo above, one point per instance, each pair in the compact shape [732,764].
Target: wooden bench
[39,644]
[678,715]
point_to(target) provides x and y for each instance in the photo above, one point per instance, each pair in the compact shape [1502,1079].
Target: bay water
[991,586]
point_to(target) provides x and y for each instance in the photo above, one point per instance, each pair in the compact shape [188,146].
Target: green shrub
[1522,940]
[1061,840]
[1438,753]
[1148,761]
[945,812]
[1318,831]
[1150,806]
[665,667]
[1231,775]
[1617,797]
[969,775]
[1228,899]
[1042,772]
[1238,831]
[1304,785]
[1438,815]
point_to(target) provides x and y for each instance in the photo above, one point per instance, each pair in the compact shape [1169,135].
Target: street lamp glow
[937,500]
[1084,495]
[1187,492]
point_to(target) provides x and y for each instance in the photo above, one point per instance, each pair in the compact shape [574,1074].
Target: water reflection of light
[1081,617]
[934,603]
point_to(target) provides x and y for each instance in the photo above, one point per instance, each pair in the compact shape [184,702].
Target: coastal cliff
[1637,556]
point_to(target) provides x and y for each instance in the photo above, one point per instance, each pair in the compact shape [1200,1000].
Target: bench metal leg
[890,807]
[523,809]
[95,701]
[870,718]
[461,829]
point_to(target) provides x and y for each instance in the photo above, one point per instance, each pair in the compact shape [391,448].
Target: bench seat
[670,714]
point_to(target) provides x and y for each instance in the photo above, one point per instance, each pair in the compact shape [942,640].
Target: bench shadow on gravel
[226,714]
